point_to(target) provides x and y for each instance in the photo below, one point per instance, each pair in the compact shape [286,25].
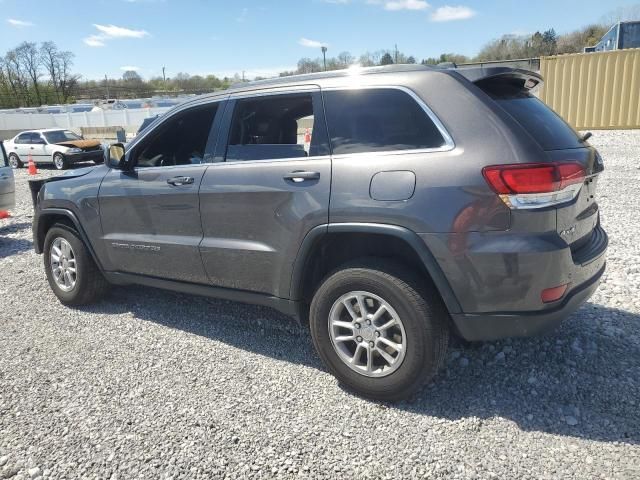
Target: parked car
[7,182]
[57,146]
[429,201]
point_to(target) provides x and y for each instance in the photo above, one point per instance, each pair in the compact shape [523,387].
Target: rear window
[374,120]
[542,123]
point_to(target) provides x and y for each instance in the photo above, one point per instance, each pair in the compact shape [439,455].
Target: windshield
[61,136]
[3,160]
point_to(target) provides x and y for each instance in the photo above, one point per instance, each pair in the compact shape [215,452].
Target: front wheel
[14,161]
[72,274]
[379,330]
[59,161]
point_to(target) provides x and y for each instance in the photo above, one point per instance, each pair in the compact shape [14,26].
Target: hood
[80,143]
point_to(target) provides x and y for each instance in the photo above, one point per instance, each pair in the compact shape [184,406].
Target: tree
[345,59]
[386,59]
[28,57]
[131,76]
[411,60]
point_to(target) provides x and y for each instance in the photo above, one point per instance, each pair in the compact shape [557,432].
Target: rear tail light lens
[553,294]
[535,185]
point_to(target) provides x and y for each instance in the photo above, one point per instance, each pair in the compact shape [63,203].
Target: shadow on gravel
[581,380]
[11,246]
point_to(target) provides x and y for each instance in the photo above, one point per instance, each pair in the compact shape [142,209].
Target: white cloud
[448,13]
[243,15]
[112,31]
[130,68]
[109,32]
[94,41]
[305,42]
[19,23]
[406,5]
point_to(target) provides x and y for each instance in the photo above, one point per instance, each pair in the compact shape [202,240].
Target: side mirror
[115,156]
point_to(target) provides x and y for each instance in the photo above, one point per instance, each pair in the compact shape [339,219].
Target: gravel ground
[150,384]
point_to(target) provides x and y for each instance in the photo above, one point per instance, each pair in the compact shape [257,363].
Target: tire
[90,285]
[14,161]
[423,323]
[60,162]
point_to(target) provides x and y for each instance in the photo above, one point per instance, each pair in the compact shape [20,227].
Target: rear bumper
[498,278]
[487,327]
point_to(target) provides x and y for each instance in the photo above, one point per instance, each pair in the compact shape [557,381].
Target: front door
[7,183]
[150,212]
[269,190]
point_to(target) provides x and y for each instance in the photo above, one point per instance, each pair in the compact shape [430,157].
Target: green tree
[386,59]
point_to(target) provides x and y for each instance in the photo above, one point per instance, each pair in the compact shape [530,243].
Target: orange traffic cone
[33,170]
[4,214]
[307,136]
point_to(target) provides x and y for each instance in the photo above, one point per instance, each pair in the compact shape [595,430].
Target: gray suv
[384,208]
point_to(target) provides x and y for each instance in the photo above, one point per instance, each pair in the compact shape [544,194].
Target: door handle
[178,181]
[301,175]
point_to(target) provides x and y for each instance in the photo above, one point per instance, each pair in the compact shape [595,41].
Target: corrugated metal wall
[594,90]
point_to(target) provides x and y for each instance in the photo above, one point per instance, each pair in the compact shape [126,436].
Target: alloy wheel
[367,334]
[63,264]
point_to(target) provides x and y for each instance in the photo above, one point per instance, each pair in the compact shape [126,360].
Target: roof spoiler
[530,80]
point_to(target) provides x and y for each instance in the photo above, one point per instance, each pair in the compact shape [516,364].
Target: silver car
[58,146]
[7,185]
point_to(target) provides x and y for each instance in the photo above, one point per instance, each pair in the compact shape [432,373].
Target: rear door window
[541,122]
[24,138]
[277,127]
[377,120]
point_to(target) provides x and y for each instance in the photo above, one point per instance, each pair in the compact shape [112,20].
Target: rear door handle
[178,181]
[301,175]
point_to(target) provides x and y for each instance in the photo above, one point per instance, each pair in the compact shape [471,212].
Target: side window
[180,140]
[36,138]
[276,127]
[377,120]
[24,138]
[3,158]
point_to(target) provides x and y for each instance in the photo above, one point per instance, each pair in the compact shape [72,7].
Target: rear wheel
[14,161]
[71,271]
[59,161]
[378,330]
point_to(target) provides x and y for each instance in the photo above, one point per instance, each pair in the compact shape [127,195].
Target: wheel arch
[405,245]
[47,218]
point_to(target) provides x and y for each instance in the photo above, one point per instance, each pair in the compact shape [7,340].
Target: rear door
[22,146]
[38,148]
[7,183]
[150,214]
[269,189]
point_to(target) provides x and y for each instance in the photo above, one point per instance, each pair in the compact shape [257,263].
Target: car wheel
[14,161]
[71,271]
[378,330]
[59,161]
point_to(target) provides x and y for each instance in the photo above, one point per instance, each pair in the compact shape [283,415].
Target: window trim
[449,143]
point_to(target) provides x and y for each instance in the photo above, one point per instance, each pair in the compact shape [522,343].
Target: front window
[59,136]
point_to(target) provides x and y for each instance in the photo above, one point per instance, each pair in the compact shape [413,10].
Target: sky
[263,38]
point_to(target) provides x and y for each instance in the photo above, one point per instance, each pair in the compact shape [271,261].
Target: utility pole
[324,57]
[106,83]
[164,79]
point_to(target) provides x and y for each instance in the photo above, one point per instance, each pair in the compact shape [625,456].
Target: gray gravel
[150,384]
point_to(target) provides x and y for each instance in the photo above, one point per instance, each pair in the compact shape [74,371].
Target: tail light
[535,185]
